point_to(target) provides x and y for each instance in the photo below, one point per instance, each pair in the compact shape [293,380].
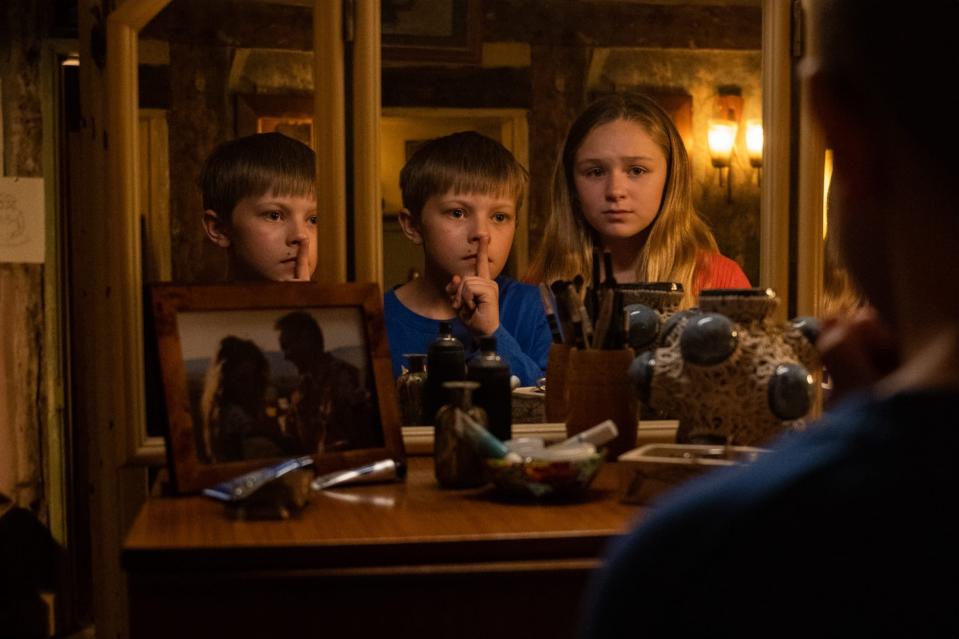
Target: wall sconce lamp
[722,140]
[723,130]
[754,143]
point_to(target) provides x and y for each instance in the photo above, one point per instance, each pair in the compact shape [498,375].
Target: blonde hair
[255,165]
[463,162]
[678,237]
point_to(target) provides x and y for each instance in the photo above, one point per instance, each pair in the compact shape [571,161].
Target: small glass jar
[410,387]
[456,462]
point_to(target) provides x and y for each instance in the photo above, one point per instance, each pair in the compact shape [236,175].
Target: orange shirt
[718,271]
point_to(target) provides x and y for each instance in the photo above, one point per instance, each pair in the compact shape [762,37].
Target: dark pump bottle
[494,394]
[445,362]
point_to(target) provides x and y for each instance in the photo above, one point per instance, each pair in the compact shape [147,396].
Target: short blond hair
[255,165]
[464,162]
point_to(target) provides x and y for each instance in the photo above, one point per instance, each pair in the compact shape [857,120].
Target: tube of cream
[380,501]
[245,485]
[597,436]
[383,470]
[484,441]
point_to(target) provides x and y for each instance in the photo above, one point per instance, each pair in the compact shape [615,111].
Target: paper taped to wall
[21,220]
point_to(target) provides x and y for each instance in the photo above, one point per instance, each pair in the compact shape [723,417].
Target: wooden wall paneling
[107,287]
[198,120]
[22,411]
[89,335]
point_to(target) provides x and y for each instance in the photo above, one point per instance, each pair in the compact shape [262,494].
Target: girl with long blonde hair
[622,184]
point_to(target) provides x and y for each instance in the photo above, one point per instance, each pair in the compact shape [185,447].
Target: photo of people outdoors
[276,383]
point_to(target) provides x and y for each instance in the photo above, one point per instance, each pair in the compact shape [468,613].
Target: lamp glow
[722,138]
[754,142]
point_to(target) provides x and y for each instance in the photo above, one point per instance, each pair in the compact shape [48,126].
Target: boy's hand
[301,271]
[857,351]
[475,298]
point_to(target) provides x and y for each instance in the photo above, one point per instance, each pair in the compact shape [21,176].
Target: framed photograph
[439,30]
[253,373]
[291,115]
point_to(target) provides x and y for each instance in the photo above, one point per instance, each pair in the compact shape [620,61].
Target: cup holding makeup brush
[557,364]
[598,388]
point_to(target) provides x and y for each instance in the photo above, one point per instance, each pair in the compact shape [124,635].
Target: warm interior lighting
[722,138]
[73,60]
[754,142]
[826,182]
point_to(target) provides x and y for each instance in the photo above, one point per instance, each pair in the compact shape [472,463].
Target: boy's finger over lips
[482,258]
[302,267]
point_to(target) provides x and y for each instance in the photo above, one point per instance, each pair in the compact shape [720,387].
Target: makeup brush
[547,299]
[559,288]
[610,280]
[578,311]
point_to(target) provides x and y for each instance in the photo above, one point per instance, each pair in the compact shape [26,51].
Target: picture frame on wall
[254,373]
[291,115]
[447,30]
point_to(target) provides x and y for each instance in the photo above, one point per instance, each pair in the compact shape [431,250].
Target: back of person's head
[464,162]
[255,165]
[244,371]
[894,159]
[302,327]
[883,56]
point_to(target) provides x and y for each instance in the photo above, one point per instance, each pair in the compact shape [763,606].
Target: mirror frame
[121,368]
[811,207]
[777,142]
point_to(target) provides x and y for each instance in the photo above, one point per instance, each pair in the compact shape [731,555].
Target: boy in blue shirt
[461,194]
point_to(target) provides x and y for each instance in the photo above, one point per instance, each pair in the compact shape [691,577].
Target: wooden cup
[556,366]
[597,389]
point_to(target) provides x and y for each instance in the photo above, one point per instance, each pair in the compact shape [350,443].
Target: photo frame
[253,373]
[447,30]
[291,115]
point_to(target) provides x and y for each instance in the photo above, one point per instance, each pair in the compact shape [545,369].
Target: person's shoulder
[716,260]
[830,466]
[508,287]
[339,366]
[792,458]
[399,314]
[719,271]
[821,494]
[519,303]
[390,299]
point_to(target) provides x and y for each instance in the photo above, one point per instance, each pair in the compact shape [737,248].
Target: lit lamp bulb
[722,138]
[754,142]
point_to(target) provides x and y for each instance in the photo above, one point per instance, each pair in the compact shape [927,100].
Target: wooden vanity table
[402,559]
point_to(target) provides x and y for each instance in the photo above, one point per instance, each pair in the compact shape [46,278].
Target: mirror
[213,70]
[209,72]
[542,62]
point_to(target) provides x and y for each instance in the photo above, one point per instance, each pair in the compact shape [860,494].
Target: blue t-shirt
[845,530]
[522,339]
